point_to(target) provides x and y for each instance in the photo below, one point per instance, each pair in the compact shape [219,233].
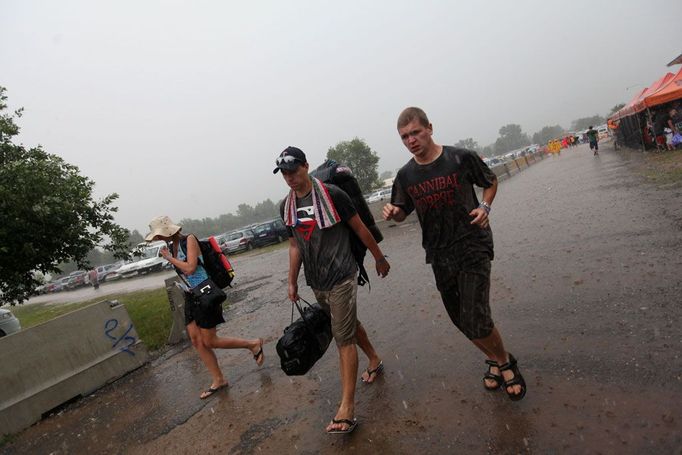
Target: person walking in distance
[438,182]
[319,218]
[593,138]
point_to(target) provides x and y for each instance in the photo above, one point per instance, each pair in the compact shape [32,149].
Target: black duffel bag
[305,341]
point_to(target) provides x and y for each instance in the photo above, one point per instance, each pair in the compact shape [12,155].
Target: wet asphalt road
[585,291]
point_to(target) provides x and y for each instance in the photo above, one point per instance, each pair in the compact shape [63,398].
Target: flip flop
[211,390]
[351,426]
[377,371]
[259,354]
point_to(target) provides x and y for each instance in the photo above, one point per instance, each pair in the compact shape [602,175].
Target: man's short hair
[412,113]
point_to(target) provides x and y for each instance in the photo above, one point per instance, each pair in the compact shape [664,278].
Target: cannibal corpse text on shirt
[436,192]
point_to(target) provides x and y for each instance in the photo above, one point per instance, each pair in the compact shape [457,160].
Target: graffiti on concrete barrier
[121,341]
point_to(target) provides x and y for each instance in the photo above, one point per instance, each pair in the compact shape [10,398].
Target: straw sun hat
[163,226]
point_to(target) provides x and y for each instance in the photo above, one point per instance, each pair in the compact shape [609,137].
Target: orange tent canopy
[640,101]
[642,104]
[628,108]
[671,91]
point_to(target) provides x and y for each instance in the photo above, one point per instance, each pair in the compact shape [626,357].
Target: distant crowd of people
[658,128]
[665,125]
[569,140]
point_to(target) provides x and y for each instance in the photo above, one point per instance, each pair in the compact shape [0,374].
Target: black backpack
[217,267]
[336,174]
[305,341]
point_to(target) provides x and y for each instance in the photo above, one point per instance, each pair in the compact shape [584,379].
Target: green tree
[547,133]
[386,175]
[263,211]
[616,108]
[358,156]
[468,144]
[135,238]
[246,213]
[488,151]
[47,214]
[511,138]
[585,122]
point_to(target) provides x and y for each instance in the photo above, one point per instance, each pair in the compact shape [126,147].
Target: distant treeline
[245,215]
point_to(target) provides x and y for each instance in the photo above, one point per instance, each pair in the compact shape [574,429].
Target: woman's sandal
[352,423]
[499,380]
[259,355]
[516,380]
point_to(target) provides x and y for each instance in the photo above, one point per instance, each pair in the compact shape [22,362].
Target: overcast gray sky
[181,107]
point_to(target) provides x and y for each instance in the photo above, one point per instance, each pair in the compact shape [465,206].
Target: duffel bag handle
[300,310]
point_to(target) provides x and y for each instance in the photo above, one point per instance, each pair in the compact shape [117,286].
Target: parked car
[57,285]
[241,240]
[104,270]
[149,261]
[222,241]
[273,231]
[8,323]
[381,195]
[77,279]
[40,290]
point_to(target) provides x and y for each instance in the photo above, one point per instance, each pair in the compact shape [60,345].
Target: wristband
[485,206]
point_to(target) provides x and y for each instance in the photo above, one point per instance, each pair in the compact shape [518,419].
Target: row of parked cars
[383,194]
[257,235]
[149,260]
[78,278]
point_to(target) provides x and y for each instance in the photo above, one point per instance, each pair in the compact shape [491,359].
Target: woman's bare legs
[206,355]
[213,341]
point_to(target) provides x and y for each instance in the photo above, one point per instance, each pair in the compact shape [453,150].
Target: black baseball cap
[290,159]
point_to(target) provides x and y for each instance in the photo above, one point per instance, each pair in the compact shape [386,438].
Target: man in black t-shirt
[438,183]
[319,219]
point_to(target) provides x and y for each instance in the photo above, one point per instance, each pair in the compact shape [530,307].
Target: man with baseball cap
[320,218]
[290,159]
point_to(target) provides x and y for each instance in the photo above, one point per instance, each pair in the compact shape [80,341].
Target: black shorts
[203,319]
[464,285]
[594,145]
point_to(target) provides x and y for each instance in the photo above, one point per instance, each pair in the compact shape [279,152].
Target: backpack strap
[363,278]
[183,244]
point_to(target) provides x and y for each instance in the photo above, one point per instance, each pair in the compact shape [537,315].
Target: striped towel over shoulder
[323,207]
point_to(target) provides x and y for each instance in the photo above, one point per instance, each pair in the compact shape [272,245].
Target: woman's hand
[165,253]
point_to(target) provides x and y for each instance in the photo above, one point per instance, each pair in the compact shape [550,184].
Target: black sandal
[516,380]
[259,354]
[499,380]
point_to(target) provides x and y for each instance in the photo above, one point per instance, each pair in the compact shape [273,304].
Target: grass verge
[149,311]
[663,168]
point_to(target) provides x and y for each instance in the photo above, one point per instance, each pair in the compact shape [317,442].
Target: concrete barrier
[52,363]
[510,168]
[176,300]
